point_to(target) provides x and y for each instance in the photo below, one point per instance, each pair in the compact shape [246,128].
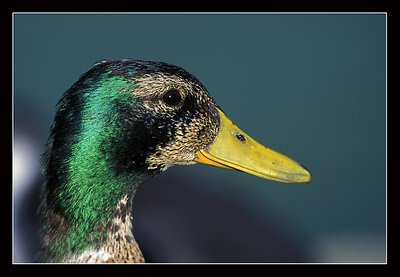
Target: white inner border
[193,13]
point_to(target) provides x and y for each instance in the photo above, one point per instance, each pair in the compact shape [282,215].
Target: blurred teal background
[310,86]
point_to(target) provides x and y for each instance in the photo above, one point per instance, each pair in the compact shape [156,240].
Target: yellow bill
[234,149]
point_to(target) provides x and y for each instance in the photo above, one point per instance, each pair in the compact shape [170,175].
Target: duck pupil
[172,97]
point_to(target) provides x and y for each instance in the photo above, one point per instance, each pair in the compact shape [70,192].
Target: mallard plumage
[122,123]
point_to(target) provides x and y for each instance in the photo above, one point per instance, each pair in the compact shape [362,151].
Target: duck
[120,124]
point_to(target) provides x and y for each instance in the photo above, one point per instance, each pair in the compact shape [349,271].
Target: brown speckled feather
[120,245]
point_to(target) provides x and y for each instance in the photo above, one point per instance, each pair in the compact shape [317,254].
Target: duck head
[156,115]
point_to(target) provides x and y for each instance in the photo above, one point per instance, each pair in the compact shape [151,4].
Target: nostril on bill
[240,137]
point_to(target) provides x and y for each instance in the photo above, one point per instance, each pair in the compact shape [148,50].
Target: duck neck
[92,168]
[93,203]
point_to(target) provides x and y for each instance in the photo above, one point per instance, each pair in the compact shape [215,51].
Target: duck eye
[172,97]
